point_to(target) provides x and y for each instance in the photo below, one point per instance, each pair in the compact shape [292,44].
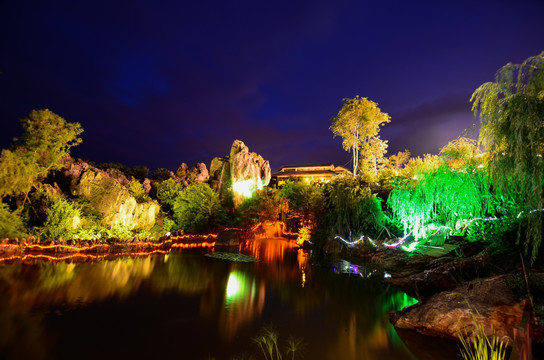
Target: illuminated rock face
[240,165]
[114,202]
[245,165]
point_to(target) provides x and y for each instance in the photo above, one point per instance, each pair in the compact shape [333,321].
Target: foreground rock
[488,301]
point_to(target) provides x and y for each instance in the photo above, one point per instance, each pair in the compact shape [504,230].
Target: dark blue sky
[158,83]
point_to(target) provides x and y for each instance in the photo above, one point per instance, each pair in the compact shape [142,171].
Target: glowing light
[168,233]
[398,243]
[410,247]
[246,188]
[234,285]
[350,243]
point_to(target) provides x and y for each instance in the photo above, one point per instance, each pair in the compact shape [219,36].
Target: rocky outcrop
[194,174]
[114,202]
[239,165]
[487,301]
[245,165]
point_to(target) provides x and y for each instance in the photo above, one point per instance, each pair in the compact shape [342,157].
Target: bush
[63,219]
[11,225]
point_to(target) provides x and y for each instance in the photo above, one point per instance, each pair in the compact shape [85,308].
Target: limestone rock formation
[239,165]
[245,165]
[113,200]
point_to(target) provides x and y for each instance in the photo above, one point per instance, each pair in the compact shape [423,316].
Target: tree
[372,156]
[461,153]
[198,208]
[399,160]
[47,138]
[511,110]
[358,123]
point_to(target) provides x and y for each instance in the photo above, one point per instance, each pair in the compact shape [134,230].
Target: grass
[483,347]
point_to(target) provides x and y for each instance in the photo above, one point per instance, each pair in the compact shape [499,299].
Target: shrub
[63,219]
[136,189]
[11,225]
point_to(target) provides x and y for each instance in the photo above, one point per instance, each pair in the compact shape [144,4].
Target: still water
[184,305]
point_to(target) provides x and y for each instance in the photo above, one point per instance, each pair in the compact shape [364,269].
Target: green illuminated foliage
[511,110]
[441,198]
[197,208]
[358,124]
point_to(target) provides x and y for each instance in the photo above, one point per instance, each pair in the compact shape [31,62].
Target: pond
[184,305]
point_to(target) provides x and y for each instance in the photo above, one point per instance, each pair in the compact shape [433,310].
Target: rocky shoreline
[457,292]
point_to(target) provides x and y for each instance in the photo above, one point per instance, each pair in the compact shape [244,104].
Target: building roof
[305,173]
[306,166]
[306,170]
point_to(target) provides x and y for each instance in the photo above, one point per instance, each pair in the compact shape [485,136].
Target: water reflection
[244,301]
[340,315]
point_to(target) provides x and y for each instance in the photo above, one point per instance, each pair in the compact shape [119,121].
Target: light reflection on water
[209,307]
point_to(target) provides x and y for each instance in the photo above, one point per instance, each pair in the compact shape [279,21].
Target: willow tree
[358,123]
[511,113]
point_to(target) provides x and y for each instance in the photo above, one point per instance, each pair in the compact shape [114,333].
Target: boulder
[487,301]
[228,238]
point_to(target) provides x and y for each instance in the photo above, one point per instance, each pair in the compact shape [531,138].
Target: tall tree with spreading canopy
[358,123]
[47,138]
[511,113]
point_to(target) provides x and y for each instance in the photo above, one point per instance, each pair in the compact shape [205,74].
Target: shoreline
[56,250]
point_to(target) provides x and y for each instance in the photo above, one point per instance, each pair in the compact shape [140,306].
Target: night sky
[158,83]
